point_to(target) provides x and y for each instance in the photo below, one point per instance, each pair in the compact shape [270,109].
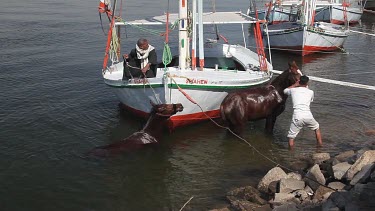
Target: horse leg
[237,128]
[270,123]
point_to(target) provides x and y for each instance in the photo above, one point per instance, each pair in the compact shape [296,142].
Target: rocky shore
[344,181]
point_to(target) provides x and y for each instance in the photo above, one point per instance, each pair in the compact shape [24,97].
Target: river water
[55,107]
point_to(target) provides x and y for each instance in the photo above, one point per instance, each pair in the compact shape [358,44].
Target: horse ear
[292,64]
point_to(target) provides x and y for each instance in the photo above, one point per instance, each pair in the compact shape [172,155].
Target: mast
[200,35]
[183,34]
[194,38]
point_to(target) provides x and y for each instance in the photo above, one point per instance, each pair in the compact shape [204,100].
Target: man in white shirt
[302,96]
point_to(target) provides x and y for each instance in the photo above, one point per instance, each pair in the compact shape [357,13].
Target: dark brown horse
[151,133]
[266,102]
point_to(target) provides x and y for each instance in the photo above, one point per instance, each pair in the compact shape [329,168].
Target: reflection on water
[55,108]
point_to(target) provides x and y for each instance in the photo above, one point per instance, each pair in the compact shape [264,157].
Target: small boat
[330,11]
[369,4]
[340,12]
[306,36]
[222,67]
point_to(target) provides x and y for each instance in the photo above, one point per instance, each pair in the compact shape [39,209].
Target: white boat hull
[306,40]
[207,88]
[336,15]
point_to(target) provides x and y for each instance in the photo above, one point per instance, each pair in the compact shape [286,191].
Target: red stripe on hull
[313,49]
[178,121]
[188,119]
[340,22]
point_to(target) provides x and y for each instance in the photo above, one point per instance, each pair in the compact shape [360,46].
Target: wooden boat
[222,68]
[306,36]
[330,11]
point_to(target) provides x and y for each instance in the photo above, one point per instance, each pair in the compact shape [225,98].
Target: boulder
[309,190]
[372,177]
[242,205]
[286,207]
[294,175]
[329,205]
[289,185]
[368,157]
[314,177]
[341,198]
[365,193]
[318,158]
[302,195]
[336,185]
[339,170]
[274,174]
[321,193]
[273,187]
[344,156]
[352,207]
[266,207]
[221,209]
[282,198]
[363,175]
[335,161]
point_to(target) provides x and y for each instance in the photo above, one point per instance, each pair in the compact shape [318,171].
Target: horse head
[166,110]
[294,73]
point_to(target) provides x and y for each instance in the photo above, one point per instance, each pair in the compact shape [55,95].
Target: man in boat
[302,96]
[141,61]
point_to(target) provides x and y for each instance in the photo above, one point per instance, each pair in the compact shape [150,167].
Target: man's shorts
[298,123]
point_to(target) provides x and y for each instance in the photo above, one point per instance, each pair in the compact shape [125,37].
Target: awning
[208,18]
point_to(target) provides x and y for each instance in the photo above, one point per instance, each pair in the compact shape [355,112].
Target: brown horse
[266,102]
[151,133]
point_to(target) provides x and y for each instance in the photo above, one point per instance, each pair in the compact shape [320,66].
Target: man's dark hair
[303,80]
[141,41]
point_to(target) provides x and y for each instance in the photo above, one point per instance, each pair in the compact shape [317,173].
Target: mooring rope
[342,83]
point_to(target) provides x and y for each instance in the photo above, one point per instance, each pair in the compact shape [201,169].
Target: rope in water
[242,139]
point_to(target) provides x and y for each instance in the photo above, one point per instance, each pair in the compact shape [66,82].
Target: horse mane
[282,80]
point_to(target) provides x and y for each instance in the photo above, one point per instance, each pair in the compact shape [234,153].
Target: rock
[318,158]
[294,175]
[289,185]
[266,207]
[368,157]
[336,185]
[335,161]
[248,193]
[361,151]
[314,177]
[365,193]
[302,195]
[372,177]
[363,175]
[282,198]
[341,198]
[309,190]
[326,169]
[344,156]
[286,207]
[242,205]
[221,209]
[340,169]
[273,187]
[274,174]
[328,205]
[320,193]
[352,207]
